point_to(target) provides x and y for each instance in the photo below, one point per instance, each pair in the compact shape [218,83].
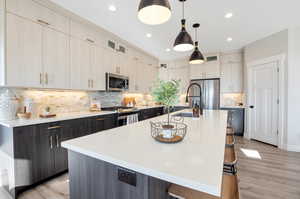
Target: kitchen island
[126,162]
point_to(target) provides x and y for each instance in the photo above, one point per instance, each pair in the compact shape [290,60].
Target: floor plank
[275,176]
[57,188]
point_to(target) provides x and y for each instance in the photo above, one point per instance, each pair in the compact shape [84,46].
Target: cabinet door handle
[89,83]
[92,83]
[41,78]
[43,22]
[51,143]
[46,78]
[57,142]
[54,127]
[100,119]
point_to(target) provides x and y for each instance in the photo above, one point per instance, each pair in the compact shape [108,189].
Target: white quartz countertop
[61,117]
[196,162]
[58,117]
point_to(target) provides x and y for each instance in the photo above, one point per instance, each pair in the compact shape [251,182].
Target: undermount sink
[184,114]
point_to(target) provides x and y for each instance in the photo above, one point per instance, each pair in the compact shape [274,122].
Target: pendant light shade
[196,57]
[154,12]
[183,41]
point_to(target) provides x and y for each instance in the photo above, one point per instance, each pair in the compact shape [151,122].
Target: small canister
[8,105]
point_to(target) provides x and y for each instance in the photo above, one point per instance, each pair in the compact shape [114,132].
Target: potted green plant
[166,93]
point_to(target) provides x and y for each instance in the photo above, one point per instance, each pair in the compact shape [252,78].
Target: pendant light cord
[183,10]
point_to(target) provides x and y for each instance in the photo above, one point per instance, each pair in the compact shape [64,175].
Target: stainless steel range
[123,113]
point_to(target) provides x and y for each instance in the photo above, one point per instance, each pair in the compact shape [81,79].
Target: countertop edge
[20,123]
[36,121]
[147,171]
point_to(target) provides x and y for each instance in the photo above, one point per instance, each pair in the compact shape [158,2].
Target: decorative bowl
[165,132]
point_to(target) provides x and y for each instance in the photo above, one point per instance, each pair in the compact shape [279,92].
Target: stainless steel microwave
[116,82]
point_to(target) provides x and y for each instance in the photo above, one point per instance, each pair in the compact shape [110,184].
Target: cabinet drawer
[38,13]
[85,33]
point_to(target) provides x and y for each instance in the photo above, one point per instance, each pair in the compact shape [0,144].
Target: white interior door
[264,99]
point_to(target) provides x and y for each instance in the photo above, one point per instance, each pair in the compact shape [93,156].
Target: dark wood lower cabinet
[151,112]
[103,123]
[236,117]
[36,152]
[93,179]
[25,152]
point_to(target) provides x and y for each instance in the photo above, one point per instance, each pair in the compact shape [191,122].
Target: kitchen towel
[132,118]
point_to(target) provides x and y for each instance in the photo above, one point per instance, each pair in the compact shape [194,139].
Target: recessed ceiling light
[168,49]
[228,15]
[112,8]
[148,35]
[229,39]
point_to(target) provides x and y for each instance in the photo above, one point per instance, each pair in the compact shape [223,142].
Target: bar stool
[229,182]
[230,131]
[229,190]
[230,160]
[230,140]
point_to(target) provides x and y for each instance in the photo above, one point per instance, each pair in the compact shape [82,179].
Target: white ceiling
[253,20]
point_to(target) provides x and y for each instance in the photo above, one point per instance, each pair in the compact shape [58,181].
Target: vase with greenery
[166,93]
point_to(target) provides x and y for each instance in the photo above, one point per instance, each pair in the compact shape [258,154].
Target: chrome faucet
[200,96]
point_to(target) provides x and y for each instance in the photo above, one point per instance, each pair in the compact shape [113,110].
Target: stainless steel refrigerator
[210,93]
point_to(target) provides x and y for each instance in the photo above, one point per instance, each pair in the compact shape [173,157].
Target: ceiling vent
[122,49]
[111,44]
[163,65]
[212,58]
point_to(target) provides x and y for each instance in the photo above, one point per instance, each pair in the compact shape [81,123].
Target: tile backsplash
[65,101]
[74,101]
[231,99]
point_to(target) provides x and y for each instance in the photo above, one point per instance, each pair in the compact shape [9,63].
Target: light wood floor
[57,188]
[275,176]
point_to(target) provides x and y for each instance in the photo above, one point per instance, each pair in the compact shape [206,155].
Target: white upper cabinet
[24,53]
[97,68]
[197,71]
[56,53]
[177,70]
[231,73]
[80,64]
[143,73]
[208,70]
[38,13]
[87,65]
[46,49]
[37,56]
[85,32]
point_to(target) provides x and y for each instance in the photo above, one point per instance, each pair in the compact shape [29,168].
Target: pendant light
[183,41]
[196,57]
[154,12]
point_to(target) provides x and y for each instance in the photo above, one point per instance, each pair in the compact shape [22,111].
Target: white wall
[2,40]
[272,45]
[285,42]
[293,110]
[267,47]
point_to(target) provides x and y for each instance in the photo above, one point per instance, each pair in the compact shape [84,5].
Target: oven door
[116,82]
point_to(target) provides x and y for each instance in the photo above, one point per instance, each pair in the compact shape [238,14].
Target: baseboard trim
[293,148]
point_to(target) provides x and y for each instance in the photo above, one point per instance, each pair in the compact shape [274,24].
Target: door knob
[251,106]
